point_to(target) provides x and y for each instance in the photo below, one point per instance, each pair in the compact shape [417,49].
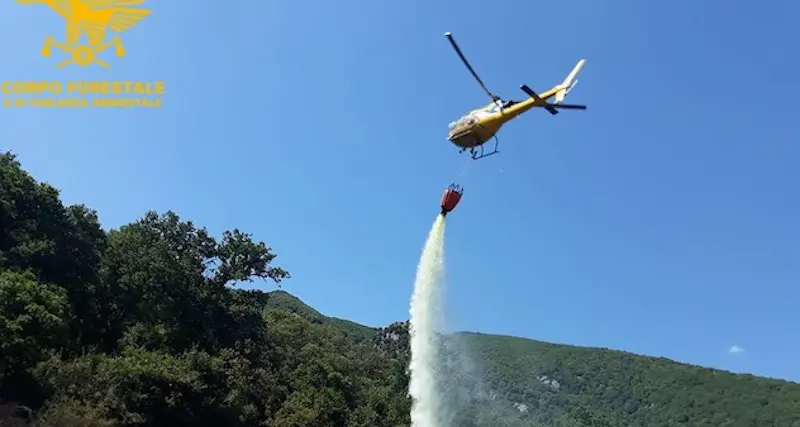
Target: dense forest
[144,326]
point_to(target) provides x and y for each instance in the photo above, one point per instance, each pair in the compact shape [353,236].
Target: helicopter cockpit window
[463,121]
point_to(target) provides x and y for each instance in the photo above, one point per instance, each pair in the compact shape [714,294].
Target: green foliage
[579,386]
[60,245]
[71,413]
[144,326]
[33,320]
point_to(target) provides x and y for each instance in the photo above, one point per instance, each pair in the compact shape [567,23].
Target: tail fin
[566,86]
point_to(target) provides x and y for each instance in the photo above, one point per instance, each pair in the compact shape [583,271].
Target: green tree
[34,321]
[169,278]
[60,245]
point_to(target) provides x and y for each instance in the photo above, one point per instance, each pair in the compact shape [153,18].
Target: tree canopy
[144,325]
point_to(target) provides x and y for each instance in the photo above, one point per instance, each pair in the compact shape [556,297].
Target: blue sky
[662,221]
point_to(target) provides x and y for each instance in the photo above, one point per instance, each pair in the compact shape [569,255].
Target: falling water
[424,322]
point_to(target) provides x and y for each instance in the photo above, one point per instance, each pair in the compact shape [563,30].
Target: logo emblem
[92,18]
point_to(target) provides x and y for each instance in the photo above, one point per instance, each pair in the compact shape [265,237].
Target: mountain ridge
[535,340]
[634,386]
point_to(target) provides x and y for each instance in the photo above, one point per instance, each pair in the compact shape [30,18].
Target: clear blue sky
[662,221]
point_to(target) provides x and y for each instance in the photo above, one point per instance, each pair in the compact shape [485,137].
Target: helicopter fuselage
[478,126]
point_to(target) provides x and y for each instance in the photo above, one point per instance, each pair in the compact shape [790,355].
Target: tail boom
[559,92]
[566,86]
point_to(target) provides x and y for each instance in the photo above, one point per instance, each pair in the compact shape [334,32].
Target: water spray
[426,316]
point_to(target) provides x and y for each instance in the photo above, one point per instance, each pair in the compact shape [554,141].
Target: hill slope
[518,381]
[143,326]
[286,301]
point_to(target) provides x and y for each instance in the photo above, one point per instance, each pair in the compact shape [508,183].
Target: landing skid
[479,152]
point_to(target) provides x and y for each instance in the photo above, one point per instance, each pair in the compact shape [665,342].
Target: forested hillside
[144,326]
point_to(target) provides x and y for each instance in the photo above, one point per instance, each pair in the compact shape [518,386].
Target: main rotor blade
[469,67]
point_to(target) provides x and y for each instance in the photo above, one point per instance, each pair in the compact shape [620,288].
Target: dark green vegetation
[143,325]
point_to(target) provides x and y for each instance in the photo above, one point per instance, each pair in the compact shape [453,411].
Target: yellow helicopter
[475,128]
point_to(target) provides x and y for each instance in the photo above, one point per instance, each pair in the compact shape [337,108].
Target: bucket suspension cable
[464,171]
